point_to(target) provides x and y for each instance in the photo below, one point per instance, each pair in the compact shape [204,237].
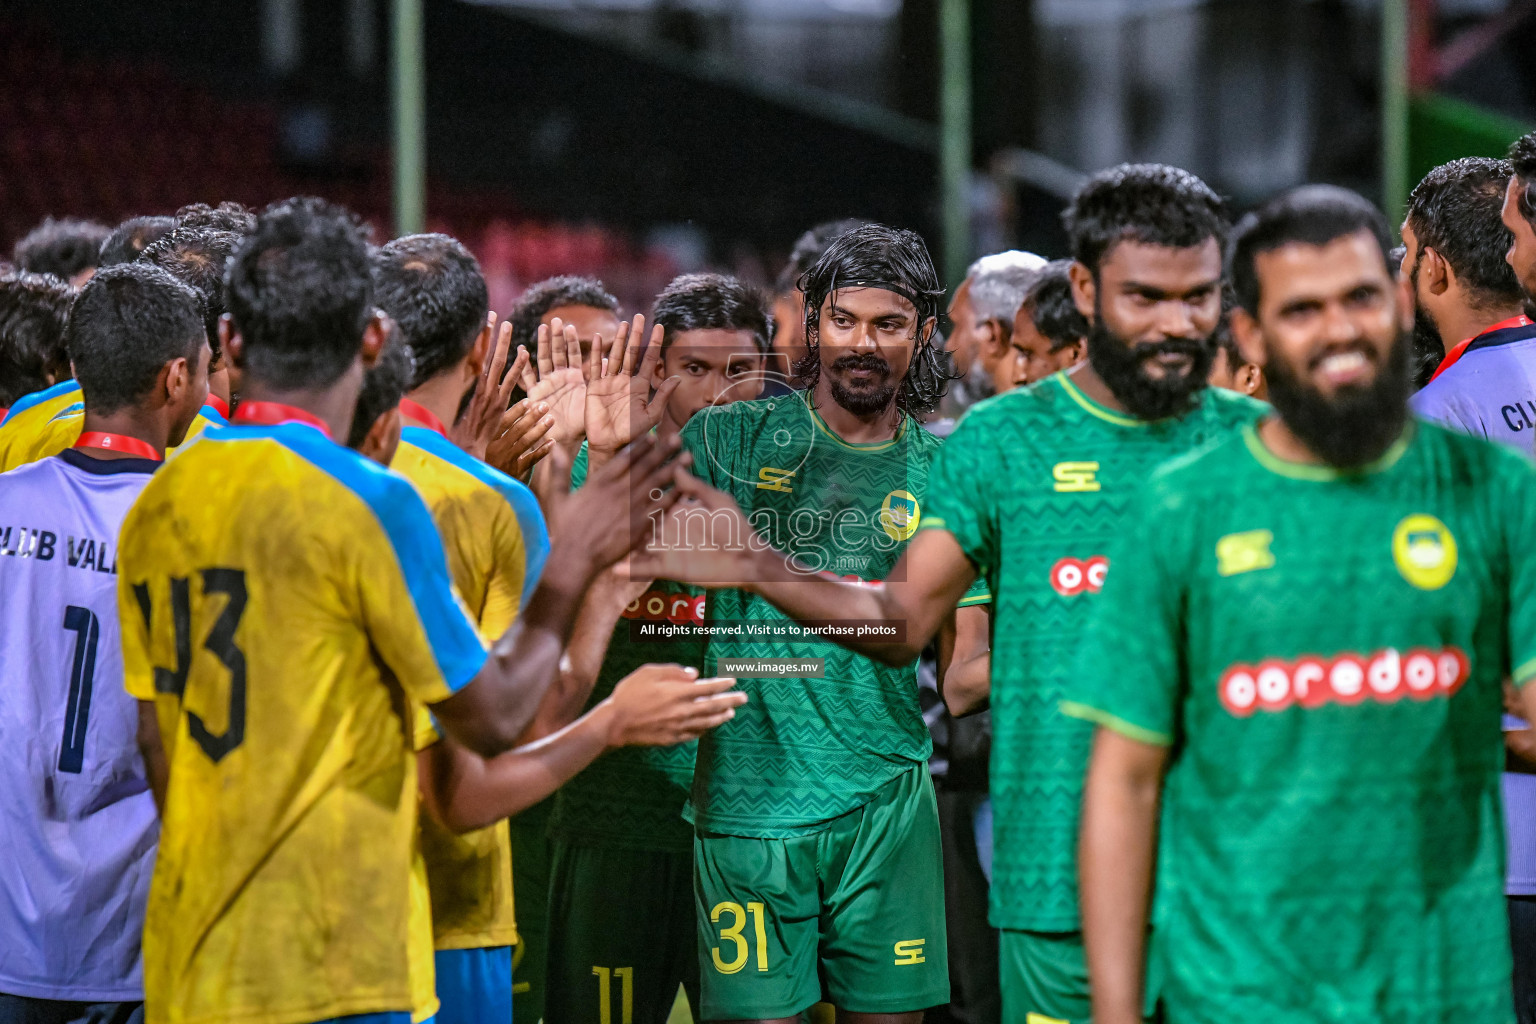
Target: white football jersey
[76,813]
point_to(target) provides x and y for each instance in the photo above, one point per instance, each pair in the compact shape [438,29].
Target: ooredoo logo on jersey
[1387,676]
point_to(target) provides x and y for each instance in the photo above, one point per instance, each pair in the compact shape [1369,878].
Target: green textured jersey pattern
[801,752]
[1325,654]
[632,798]
[1034,484]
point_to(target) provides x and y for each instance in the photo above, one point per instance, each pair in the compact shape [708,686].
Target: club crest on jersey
[899,515]
[1244,552]
[1075,477]
[1425,551]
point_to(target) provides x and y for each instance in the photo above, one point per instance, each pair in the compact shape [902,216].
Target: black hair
[33,310]
[132,237]
[1310,215]
[552,293]
[1456,211]
[808,249]
[897,260]
[300,291]
[706,302]
[1149,203]
[432,287]
[127,322]
[227,216]
[1051,308]
[384,384]
[62,248]
[1522,160]
[198,257]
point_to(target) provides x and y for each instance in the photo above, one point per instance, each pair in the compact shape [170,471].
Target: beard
[1122,366]
[1429,345]
[876,397]
[1359,423]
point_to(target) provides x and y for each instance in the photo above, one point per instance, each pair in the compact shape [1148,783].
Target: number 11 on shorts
[733,933]
[605,976]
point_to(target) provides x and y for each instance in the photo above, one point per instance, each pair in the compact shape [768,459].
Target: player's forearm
[1116,854]
[466,792]
[583,660]
[967,686]
[1520,751]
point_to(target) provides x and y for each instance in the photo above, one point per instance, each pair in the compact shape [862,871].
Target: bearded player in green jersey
[1301,651]
[817,850]
[1028,493]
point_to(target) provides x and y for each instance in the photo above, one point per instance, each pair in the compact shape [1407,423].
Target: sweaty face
[589,322]
[1335,355]
[1522,253]
[715,367]
[866,340]
[1154,312]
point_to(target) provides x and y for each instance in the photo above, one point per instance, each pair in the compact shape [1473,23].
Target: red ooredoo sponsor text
[1312,681]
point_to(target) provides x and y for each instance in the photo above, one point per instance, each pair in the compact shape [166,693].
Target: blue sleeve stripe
[412,535]
[213,416]
[37,398]
[530,518]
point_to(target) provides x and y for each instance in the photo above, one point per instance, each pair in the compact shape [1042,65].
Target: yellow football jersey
[285,602]
[496,544]
[46,422]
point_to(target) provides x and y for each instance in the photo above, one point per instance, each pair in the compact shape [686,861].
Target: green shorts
[853,913]
[530,899]
[1044,978]
[621,935]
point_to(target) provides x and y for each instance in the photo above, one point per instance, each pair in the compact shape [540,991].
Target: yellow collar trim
[873,446]
[1322,474]
[1094,408]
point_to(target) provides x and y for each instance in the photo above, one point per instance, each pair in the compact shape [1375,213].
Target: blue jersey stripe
[530,518]
[213,416]
[412,535]
[26,402]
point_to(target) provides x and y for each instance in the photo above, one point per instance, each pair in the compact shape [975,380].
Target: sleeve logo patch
[1075,477]
[1425,552]
[771,479]
[1244,552]
[910,951]
[899,515]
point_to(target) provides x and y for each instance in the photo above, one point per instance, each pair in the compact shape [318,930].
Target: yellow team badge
[1244,552]
[899,515]
[1425,552]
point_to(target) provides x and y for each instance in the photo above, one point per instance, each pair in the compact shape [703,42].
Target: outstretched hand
[556,379]
[482,421]
[612,513]
[524,439]
[619,403]
[659,705]
[703,538]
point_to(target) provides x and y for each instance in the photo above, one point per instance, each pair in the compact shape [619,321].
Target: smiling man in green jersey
[1028,493]
[1301,652]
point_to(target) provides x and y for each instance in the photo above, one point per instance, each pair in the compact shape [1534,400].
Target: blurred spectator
[581,301]
[132,237]
[1049,334]
[68,249]
[1228,367]
[982,314]
[33,308]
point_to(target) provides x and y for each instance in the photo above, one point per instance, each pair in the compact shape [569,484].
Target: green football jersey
[1034,484]
[802,751]
[1324,653]
[632,798]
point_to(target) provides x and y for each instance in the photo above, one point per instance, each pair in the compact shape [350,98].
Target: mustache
[863,361]
[1175,346]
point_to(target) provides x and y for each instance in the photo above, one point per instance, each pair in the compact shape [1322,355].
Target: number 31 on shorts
[733,943]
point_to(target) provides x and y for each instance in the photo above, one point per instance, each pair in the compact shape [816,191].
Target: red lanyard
[119,443]
[220,406]
[421,414]
[1461,347]
[270,414]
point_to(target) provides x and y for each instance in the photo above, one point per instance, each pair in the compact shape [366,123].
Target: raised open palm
[555,379]
[619,403]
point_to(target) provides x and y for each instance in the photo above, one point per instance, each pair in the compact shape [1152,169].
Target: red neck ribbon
[270,414]
[119,443]
[421,414]
[1461,347]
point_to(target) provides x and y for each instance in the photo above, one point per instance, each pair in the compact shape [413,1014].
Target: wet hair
[1456,210]
[1149,203]
[552,293]
[301,293]
[127,322]
[711,302]
[62,248]
[808,249]
[1051,308]
[199,257]
[33,311]
[876,256]
[132,237]
[1522,160]
[227,216]
[1310,215]
[384,384]
[432,287]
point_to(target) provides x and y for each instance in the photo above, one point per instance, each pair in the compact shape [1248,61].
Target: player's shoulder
[1231,407]
[49,399]
[328,464]
[1469,456]
[464,470]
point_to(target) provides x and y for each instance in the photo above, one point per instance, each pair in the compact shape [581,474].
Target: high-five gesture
[619,405]
[556,380]
[482,421]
